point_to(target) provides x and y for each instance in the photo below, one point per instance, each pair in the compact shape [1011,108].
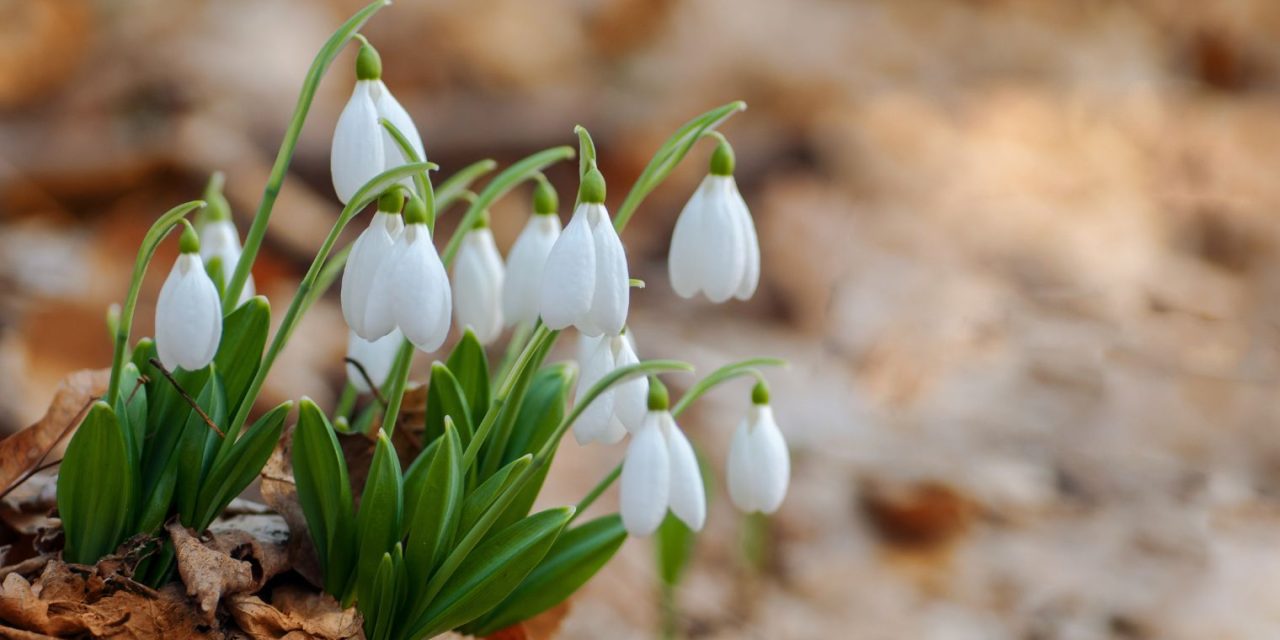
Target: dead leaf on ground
[208,573]
[544,626]
[281,494]
[294,614]
[23,451]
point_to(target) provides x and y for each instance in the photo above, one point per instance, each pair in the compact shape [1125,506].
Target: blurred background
[1024,257]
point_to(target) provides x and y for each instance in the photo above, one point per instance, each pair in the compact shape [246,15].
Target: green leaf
[542,410]
[131,410]
[674,548]
[433,501]
[378,520]
[143,352]
[233,472]
[193,445]
[453,188]
[96,487]
[324,492]
[244,336]
[575,557]
[381,602]
[446,398]
[509,410]
[469,365]
[487,493]
[493,570]
[167,412]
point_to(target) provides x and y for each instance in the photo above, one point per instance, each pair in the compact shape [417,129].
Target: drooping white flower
[477,284]
[661,472]
[362,148]
[375,357]
[525,267]
[219,240]
[368,253]
[585,282]
[619,409]
[411,289]
[188,311]
[714,248]
[759,466]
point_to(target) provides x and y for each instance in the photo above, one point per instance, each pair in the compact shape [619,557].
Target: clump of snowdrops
[448,542]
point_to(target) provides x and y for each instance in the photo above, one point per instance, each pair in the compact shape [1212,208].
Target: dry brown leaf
[294,613]
[280,493]
[208,573]
[23,451]
[260,540]
[544,626]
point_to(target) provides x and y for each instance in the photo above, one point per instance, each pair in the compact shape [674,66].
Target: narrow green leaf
[479,500]
[378,519]
[230,474]
[575,557]
[433,501]
[244,336]
[492,571]
[445,397]
[381,600]
[453,188]
[542,410]
[469,365]
[96,487]
[167,412]
[192,447]
[674,548]
[131,410]
[143,352]
[508,411]
[324,492]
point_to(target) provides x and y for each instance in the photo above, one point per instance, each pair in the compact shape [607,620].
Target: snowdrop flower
[368,253]
[619,409]
[759,467]
[714,249]
[362,148]
[188,312]
[661,472]
[411,289]
[477,284]
[220,242]
[529,256]
[375,357]
[585,282]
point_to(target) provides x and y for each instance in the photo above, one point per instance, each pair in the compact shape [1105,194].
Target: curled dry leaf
[294,614]
[214,570]
[280,493]
[22,452]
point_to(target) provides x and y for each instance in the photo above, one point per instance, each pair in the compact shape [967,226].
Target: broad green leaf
[575,557]
[493,570]
[143,352]
[96,487]
[167,412]
[233,472]
[484,495]
[380,604]
[131,410]
[468,364]
[378,519]
[244,335]
[542,410]
[156,501]
[509,410]
[445,397]
[192,447]
[324,492]
[433,500]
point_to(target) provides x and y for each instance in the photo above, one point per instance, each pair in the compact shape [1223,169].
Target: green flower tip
[545,200]
[368,63]
[415,211]
[391,201]
[189,242]
[482,221]
[760,393]
[216,206]
[592,189]
[722,161]
[659,399]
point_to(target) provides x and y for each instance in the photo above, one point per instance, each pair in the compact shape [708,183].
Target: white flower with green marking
[714,249]
[477,283]
[661,473]
[188,311]
[759,467]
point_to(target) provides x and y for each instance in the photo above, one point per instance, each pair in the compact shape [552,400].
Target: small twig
[141,381]
[377,394]
[185,396]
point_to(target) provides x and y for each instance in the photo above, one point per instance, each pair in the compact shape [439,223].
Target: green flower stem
[366,194]
[699,389]
[541,337]
[394,389]
[258,230]
[515,346]
[504,182]
[421,181]
[150,242]
[346,401]
[453,188]
[670,155]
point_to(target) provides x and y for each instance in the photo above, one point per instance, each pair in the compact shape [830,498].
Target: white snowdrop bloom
[362,148]
[477,285]
[368,253]
[630,397]
[375,357]
[220,240]
[714,249]
[188,312]
[529,257]
[660,472]
[620,408]
[585,282]
[759,467]
[411,289]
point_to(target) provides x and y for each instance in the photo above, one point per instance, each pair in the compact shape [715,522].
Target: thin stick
[185,396]
[367,380]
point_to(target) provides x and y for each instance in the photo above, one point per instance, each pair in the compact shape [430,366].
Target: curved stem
[598,490]
[394,391]
[421,181]
[257,230]
[587,150]
[453,188]
[155,235]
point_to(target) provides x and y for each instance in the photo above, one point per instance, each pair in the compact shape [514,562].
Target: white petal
[357,154]
[219,239]
[770,460]
[188,316]
[388,107]
[750,243]
[587,345]
[477,284]
[688,497]
[686,242]
[525,266]
[612,294]
[569,278]
[631,398]
[369,252]
[421,300]
[721,258]
[739,472]
[595,422]
[376,357]
[646,480]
